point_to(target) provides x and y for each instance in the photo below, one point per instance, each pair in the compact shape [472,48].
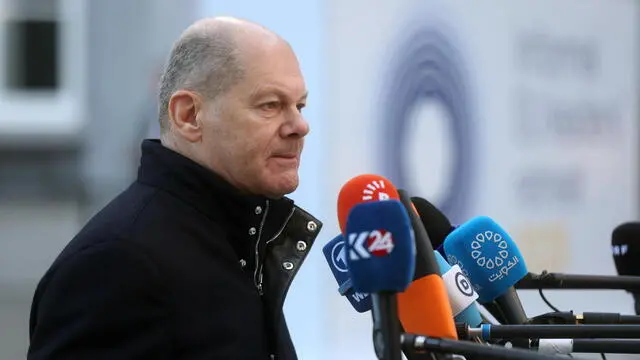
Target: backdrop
[524,111]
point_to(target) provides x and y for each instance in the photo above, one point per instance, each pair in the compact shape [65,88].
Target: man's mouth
[287,160]
[286,156]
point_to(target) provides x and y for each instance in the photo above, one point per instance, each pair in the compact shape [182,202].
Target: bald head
[210,57]
[231,100]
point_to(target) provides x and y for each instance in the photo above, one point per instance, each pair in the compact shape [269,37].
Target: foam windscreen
[625,246]
[487,255]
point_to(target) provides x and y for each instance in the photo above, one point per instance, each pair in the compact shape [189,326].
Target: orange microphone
[424,307]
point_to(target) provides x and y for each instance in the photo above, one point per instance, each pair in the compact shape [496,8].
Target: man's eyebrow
[264,90]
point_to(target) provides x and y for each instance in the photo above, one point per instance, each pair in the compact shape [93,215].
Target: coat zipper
[260,265]
[256,278]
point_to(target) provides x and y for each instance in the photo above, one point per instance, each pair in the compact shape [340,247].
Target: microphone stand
[386,326]
[410,355]
[588,318]
[595,346]
[511,307]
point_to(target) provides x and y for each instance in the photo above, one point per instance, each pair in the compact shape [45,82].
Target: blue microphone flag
[380,247]
[487,255]
[335,253]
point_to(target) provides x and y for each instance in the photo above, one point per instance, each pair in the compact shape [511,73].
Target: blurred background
[522,110]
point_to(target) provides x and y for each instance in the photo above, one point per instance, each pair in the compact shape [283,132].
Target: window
[32,45]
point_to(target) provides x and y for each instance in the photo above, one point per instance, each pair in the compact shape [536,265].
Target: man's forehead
[293,88]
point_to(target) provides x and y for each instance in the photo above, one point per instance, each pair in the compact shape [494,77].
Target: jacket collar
[207,191]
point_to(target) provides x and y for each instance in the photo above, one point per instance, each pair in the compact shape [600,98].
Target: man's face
[254,133]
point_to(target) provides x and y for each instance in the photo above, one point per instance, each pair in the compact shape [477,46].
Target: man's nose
[295,126]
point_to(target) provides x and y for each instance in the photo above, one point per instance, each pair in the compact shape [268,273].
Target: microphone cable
[550,305]
[544,298]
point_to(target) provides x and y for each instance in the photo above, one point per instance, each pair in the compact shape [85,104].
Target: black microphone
[469,349]
[626,254]
[436,223]
[489,332]
[558,281]
[589,318]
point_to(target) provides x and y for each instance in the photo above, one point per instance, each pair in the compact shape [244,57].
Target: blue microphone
[381,253]
[492,261]
[462,296]
[336,255]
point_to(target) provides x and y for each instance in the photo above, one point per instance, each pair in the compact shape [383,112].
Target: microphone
[427,285]
[381,257]
[470,349]
[360,189]
[626,254]
[435,222]
[558,281]
[589,318]
[491,260]
[462,297]
[424,306]
[336,255]
[499,332]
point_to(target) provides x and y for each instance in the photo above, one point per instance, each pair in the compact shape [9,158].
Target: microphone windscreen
[380,247]
[462,297]
[487,255]
[436,319]
[435,222]
[360,189]
[625,246]
[424,308]
[336,255]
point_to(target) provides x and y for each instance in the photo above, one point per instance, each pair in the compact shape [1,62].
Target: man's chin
[282,186]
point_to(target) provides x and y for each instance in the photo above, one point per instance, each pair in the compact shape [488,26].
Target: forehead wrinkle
[279,90]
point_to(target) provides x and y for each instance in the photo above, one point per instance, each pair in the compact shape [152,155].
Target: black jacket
[178,266]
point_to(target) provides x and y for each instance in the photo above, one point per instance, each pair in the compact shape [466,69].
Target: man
[194,259]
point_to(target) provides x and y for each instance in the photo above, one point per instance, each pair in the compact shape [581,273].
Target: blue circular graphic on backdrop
[428,66]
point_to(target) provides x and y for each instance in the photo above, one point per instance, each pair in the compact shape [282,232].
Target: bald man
[195,258]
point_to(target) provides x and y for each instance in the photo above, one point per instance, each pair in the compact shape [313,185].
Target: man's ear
[184,106]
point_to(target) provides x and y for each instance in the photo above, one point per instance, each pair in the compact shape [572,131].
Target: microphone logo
[375,187]
[620,250]
[380,243]
[451,259]
[339,257]
[464,285]
[489,262]
[367,243]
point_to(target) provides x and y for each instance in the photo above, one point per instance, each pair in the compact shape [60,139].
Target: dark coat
[178,266]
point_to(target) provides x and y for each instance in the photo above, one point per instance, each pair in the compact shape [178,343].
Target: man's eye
[272,105]
[300,107]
